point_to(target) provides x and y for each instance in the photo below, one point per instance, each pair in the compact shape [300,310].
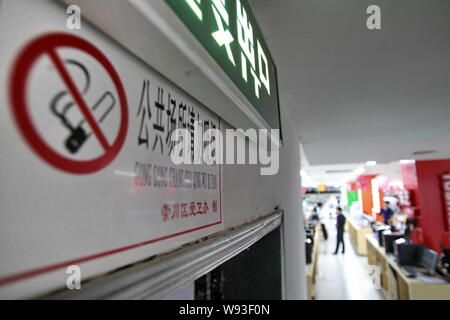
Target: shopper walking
[340,224]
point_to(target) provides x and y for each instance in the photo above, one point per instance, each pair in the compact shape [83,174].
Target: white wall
[290,199]
[247,195]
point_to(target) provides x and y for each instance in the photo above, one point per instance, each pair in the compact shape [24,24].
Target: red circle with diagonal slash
[48,45]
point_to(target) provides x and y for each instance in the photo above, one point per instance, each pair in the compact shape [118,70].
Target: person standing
[340,224]
[387,212]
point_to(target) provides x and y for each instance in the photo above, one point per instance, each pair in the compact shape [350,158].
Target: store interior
[396,230]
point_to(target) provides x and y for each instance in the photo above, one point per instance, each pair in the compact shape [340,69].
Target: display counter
[357,233]
[396,284]
[312,268]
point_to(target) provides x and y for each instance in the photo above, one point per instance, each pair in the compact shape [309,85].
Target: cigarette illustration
[79,130]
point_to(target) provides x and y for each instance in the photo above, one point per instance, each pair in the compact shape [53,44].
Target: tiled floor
[343,276]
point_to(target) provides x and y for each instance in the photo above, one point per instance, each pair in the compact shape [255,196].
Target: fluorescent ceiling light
[371,163]
[405,161]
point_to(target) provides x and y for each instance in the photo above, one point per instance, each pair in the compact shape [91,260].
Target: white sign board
[86,175]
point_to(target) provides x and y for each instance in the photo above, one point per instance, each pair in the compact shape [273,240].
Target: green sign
[352,197]
[227,29]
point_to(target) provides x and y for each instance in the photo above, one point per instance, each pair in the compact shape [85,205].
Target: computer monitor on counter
[429,260]
[388,240]
[408,254]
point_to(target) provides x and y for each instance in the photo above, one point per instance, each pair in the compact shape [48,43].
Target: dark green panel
[255,273]
[204,18]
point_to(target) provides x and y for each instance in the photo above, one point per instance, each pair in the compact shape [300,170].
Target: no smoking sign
[69,103]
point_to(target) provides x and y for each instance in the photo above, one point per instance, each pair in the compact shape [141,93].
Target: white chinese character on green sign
[247,44]
[245,39]
[263,73]
[223,37]
[195,6]
[253,59]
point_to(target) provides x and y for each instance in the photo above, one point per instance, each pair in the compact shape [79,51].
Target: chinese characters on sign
[185,210]
[247,44]
[159,113]
[168,115]
[228,30]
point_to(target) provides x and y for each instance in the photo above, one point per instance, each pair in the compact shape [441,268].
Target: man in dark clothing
[340,223]
[386,212]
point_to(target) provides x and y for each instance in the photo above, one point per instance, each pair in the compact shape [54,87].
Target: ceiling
[338,174]
[355,94]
